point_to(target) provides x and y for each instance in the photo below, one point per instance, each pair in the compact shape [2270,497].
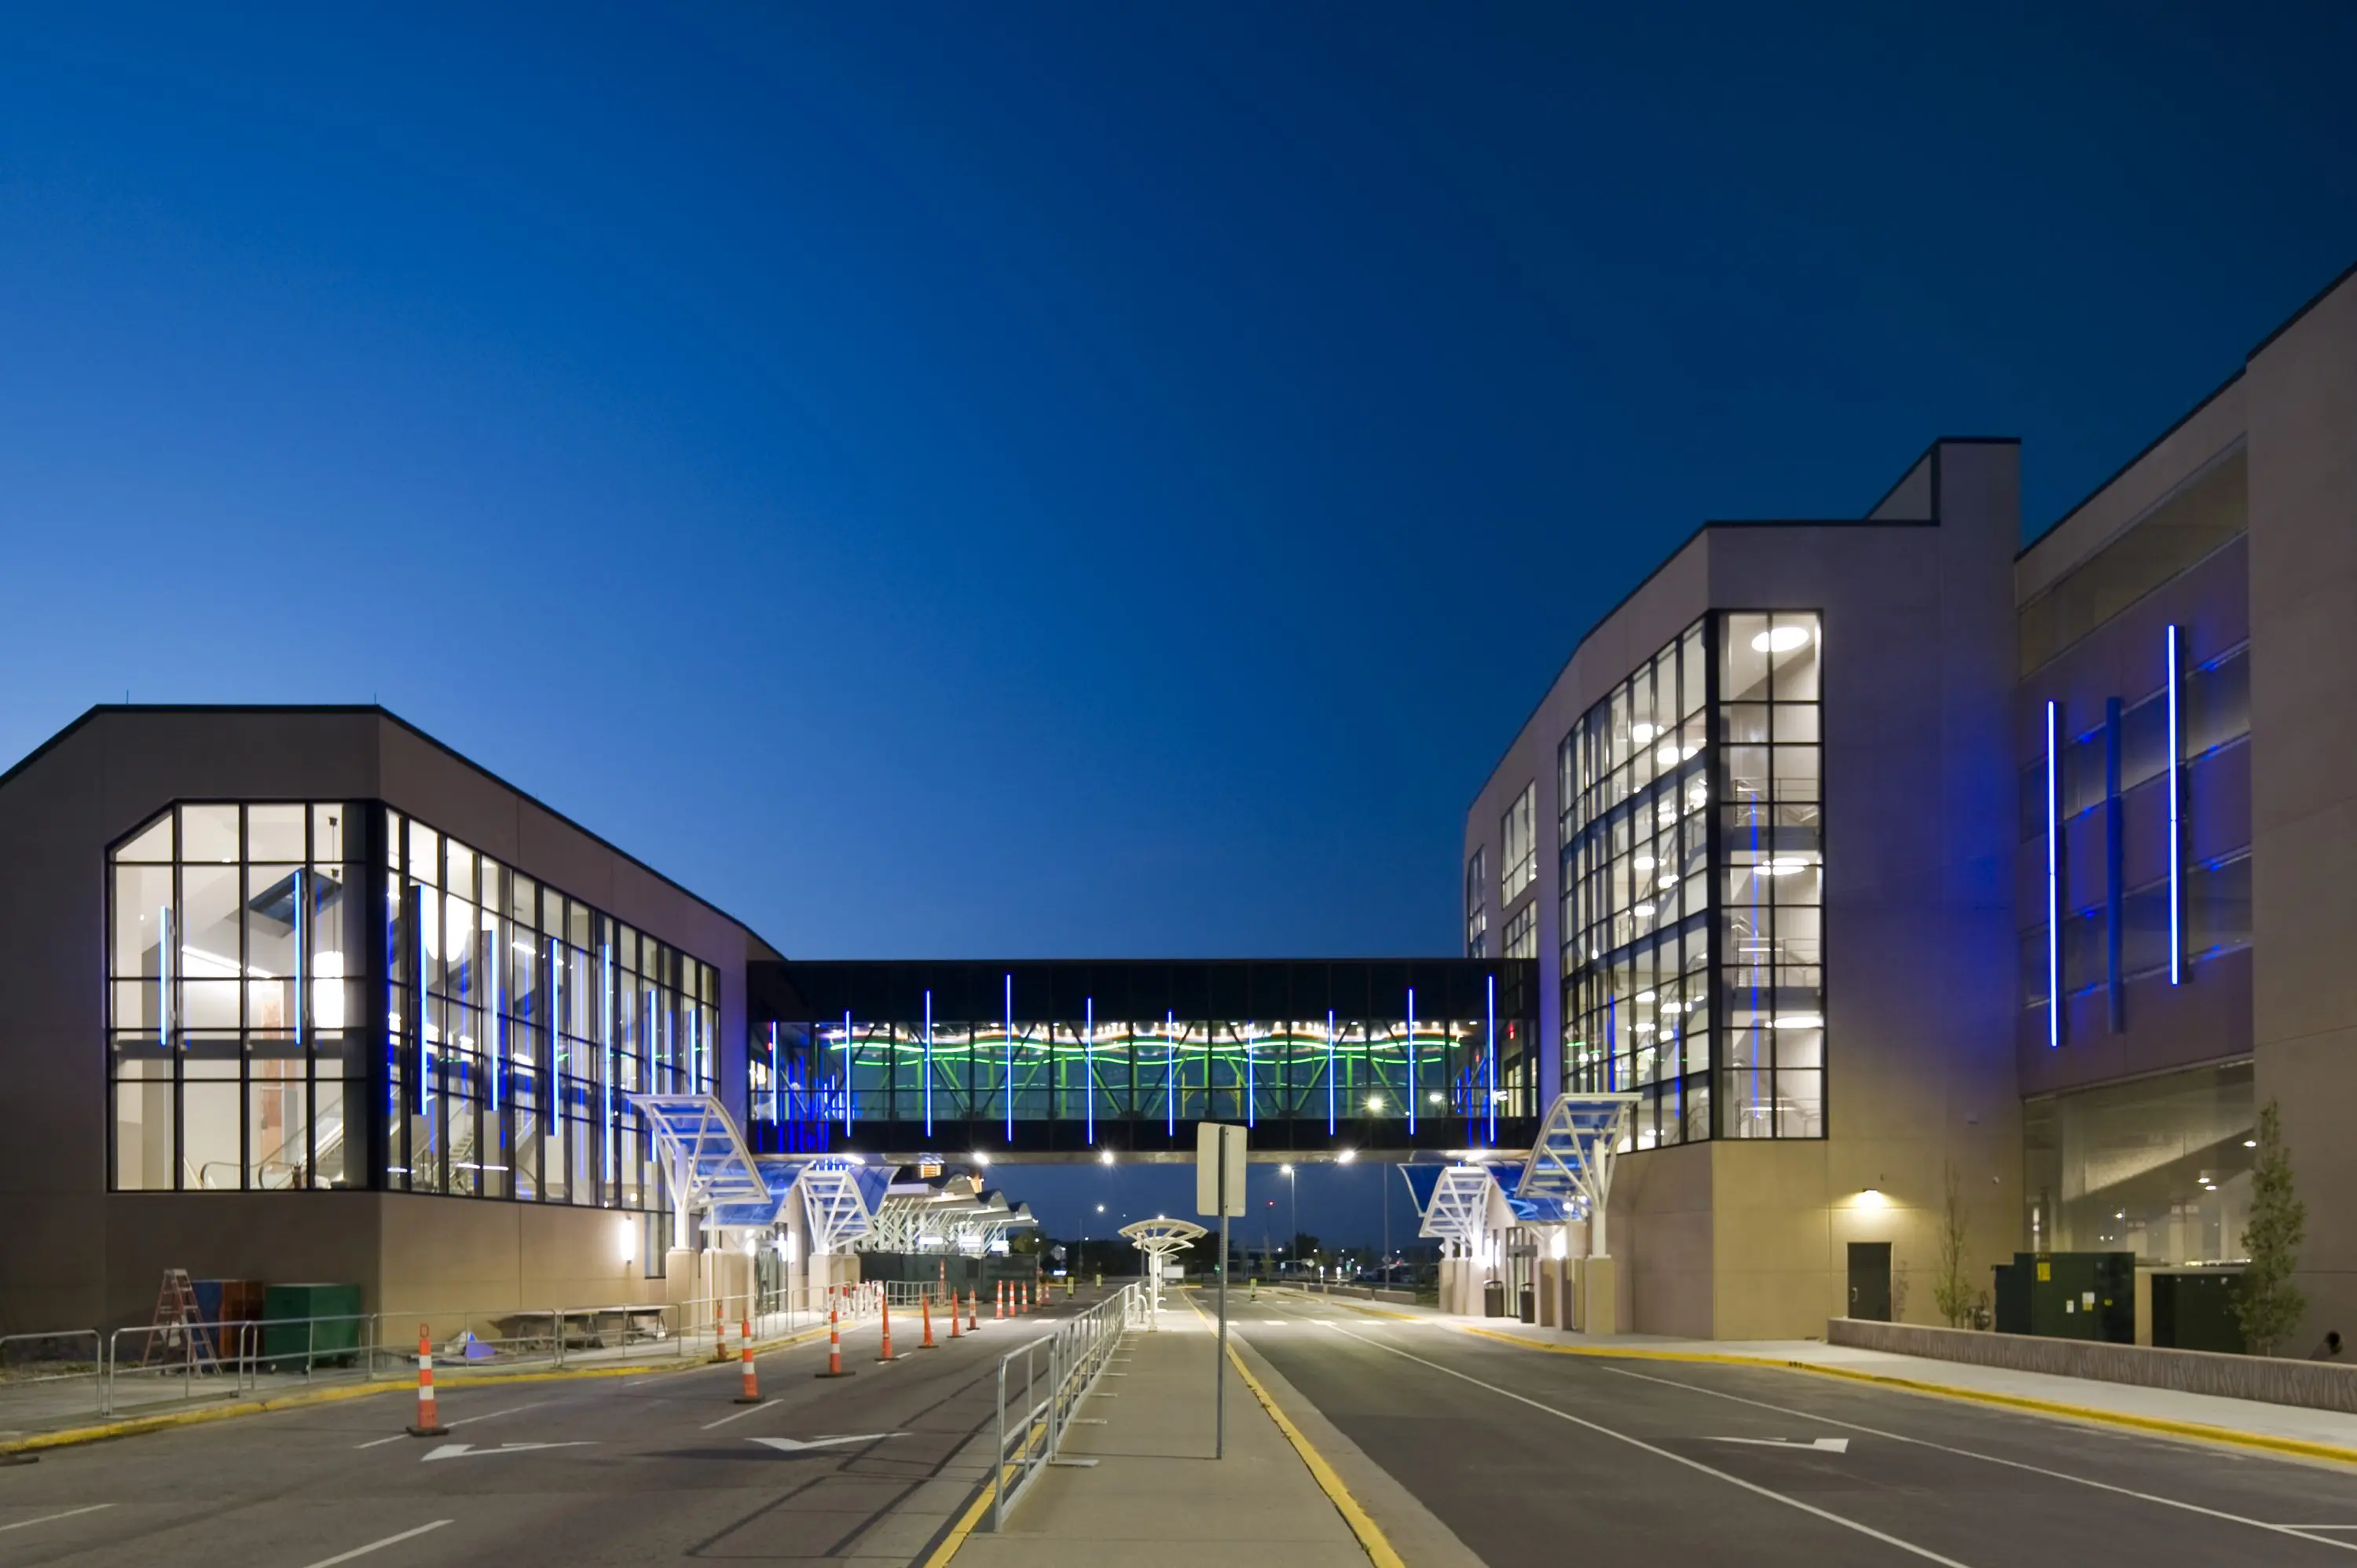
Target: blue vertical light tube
[164,975]
[777,1090]
[929,1063]
[1170,1073]
[1411,1061]
[1250,1083]
[1010,1058]
[499,1019]
[2053,890]
[606,1055]
[1489,1037]
[2176,853]
[1089,1064]
[1329,1072]
[846,1072]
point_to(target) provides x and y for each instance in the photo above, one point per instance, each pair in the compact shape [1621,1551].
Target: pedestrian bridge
[1077,1060]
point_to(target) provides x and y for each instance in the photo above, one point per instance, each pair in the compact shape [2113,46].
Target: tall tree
[1951,1292]
[2267,1304]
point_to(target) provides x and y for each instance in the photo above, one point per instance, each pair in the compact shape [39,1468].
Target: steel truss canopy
[959,1216]
[1572,1158]
[1160,1238]
[1465,1205]
[706,1163]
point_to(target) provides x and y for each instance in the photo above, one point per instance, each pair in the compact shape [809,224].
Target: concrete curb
[2228,1436]
[164,1420]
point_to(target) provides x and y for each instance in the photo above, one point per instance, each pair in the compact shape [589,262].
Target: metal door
[1869,1280]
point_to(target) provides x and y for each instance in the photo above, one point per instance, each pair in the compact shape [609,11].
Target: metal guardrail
[1046,1380]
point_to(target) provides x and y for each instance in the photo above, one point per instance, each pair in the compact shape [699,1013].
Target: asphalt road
[1532,1458]
[645,1469]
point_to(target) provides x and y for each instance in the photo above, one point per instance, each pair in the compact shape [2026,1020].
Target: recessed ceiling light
[1782,639]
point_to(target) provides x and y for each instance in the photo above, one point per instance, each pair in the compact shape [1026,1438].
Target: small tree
[1951,1292]
[2268,1304]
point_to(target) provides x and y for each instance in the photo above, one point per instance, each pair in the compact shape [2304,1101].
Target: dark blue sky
[1060,480]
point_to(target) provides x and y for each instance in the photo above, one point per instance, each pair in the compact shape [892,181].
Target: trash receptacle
[1530,1306]
[1493,1299]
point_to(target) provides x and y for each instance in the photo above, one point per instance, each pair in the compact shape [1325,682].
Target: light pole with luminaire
[1293,1186]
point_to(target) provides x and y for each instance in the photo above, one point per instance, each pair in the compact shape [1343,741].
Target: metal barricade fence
[1041,1385]
[43,1366]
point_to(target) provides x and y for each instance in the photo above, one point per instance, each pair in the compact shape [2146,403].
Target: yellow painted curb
[2195,1430]
[134,1426]
[1370,1537]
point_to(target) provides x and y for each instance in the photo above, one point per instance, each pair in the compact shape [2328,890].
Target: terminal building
[301,994]
[1875,854]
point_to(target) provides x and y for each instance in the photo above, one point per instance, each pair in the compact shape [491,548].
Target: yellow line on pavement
[1370,1537]
[2298,1448]
[137,1425]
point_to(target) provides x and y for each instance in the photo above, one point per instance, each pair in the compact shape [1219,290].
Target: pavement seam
[136,1427]
[2297,1448]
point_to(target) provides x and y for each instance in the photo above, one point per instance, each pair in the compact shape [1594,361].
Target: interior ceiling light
[1800,1021]
[1641,733]
[1780,639]
[1642,911]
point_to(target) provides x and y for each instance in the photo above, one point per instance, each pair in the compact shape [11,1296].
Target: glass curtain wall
[521,1020]
[1167,1069]
[1694,940]
[234,991]
[2160,1167]
[1477,906]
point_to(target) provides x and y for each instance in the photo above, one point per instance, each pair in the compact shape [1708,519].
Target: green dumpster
[290,1343]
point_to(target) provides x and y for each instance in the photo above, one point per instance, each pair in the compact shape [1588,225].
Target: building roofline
[1868,521]
[2289,322]
[376,710]
[2116,475]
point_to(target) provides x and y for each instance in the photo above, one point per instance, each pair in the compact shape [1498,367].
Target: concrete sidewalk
[2124,1402]
[1155,1497]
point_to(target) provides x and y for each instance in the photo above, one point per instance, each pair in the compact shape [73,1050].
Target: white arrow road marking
[1826,1445]
[467,1450]
[794,1445]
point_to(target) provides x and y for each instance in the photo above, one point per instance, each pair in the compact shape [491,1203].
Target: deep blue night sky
[1062,480]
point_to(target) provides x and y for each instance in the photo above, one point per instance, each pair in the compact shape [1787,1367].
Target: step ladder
[175,1335]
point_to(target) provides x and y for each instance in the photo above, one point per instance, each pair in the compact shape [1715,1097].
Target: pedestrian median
[1135,1481]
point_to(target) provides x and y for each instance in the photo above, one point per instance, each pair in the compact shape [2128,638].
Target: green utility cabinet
[2069,1295]
[290,1343]
[2193,1309]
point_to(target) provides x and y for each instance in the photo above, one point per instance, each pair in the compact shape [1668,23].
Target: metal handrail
[1058,1370]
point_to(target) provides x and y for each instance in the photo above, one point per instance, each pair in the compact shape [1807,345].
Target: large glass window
[521,1020]
[1522,933]
[1476,904]
[1693,875]
[234,960]
[1519,834]
[2160,1167]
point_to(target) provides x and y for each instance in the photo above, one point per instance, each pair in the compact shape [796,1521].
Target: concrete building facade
[2110,768]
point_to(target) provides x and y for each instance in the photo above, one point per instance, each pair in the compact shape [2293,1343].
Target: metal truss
[833,1204]
[1572,1158]
[1460,1206]
[705,1161]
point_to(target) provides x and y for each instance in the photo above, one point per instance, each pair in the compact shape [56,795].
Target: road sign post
[1219,1189]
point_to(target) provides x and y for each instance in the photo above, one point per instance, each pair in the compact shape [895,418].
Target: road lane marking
[1828,1445]
[739,1415]
[24,1523]
[793,1445]
[1826,1514]
[377,1545]
[468,1450]
[462,1421]
[1994,1459]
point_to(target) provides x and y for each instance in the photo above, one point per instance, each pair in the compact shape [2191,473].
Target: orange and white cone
[834,1368]
[428,1423]
[752,1390]
[999,1310]
[926,1303]
[954,1315]
[719,1333]
[973,1312]
[885,1353]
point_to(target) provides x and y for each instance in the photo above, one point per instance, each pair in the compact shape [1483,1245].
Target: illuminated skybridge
[1075,1059]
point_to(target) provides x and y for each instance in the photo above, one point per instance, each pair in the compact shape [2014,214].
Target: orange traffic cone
[752,1390]
[428,1423]
[999,1307]
[885,1353]
[719,1333]
[834,1368]
[973,1312]
[954,1315]
[926,1302]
